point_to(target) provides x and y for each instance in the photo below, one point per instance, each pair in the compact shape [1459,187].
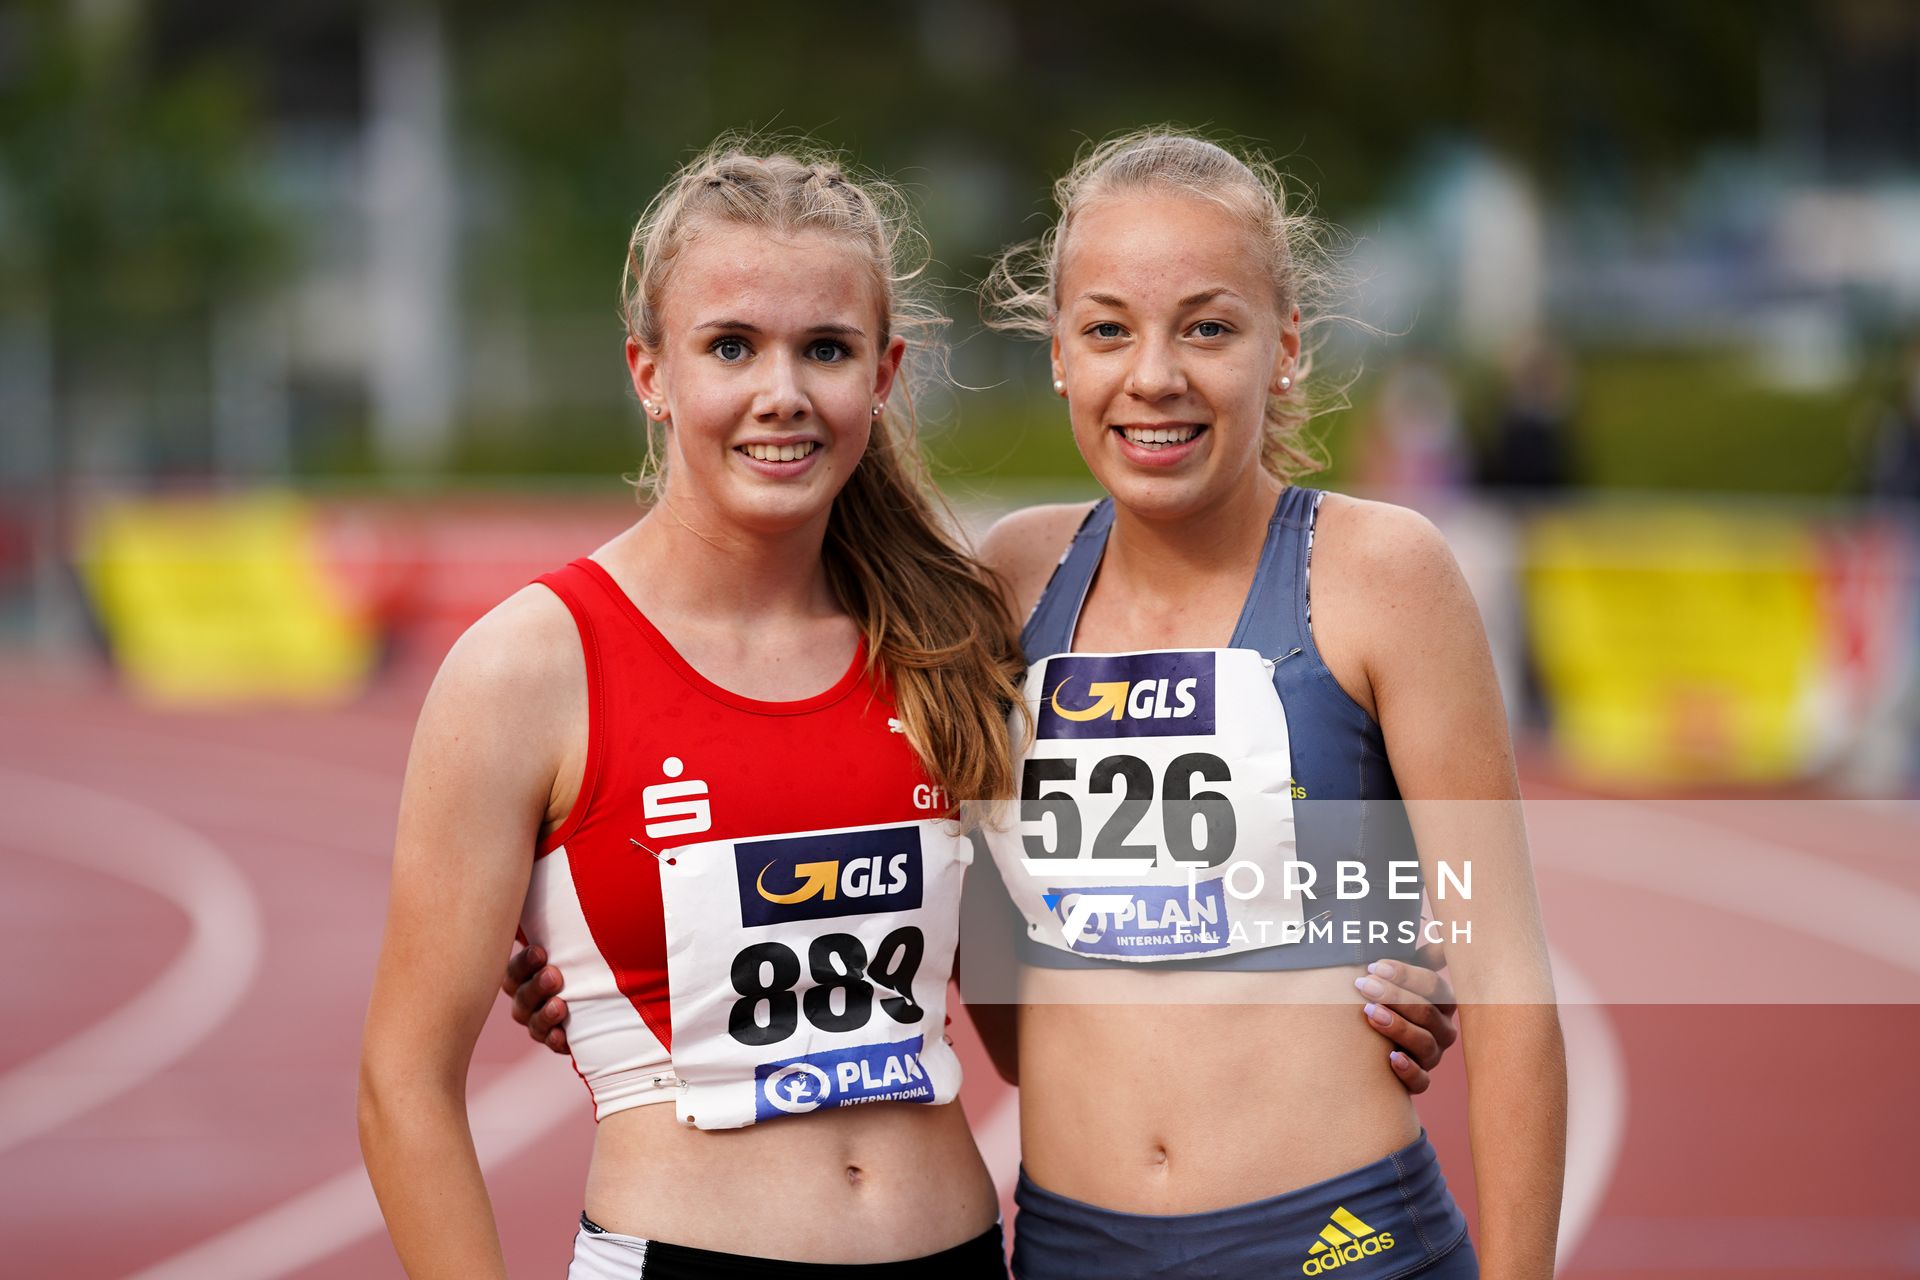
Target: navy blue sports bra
[1346,804]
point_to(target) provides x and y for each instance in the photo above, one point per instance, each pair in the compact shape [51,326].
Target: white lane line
[89,828]
[135,843]
[1761,879]
[1858,912]
[264,769]
[518,1108]
[1596,1104]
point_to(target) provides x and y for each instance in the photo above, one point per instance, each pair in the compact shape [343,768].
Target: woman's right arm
[479,781]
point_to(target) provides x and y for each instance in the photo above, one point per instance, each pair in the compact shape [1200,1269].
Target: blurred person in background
[1531,448]
[1892,467]
[1893,452]
[1412,450]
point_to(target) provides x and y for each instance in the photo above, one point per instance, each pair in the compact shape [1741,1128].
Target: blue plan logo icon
[842,1078]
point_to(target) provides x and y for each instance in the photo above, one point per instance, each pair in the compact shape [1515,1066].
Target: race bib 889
[810,971]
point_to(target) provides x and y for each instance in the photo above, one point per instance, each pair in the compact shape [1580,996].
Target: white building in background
[412,239]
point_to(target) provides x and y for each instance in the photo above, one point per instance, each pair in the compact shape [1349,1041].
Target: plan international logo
[1130,695]
[842,1078]
[840,873]
[1142,920]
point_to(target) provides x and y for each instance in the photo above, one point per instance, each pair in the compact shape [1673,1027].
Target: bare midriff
[1183,1093]
[877,1183]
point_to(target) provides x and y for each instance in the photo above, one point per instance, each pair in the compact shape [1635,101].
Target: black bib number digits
[1183,805]
[895,962]
[1180,805]
[1111,842]
[838,964]
[1035,806]
[783,1013]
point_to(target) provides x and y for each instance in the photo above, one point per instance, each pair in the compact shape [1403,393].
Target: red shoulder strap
[580,592]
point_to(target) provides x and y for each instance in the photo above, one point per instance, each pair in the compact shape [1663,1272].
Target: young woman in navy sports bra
[1240,684]
[706,768]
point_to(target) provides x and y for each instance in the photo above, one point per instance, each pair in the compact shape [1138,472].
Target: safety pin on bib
[661,857]
[1271,663]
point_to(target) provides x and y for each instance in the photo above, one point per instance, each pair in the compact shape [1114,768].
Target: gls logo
[846,873]
[676,808]
[1144,701]
[1133,695]
[857,877]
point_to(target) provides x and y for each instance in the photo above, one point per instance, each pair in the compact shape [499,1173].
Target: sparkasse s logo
[1344,1239]
[846,873]
[1132,695]
[676,808]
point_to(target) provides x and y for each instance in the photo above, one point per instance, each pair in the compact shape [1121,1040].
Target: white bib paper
[1155,818]
[810,971]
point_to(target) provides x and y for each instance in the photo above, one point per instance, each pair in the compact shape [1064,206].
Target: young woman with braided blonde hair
[1233,1120]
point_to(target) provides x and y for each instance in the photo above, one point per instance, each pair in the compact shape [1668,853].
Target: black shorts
[599,1254]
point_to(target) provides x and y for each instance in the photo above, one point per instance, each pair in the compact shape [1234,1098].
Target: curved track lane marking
[1765,881]
[518,1108]
[1878,921]
[105,833]
[353,783]
[1596,1105]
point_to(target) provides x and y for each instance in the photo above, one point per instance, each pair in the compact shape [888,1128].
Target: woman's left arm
[1439,706]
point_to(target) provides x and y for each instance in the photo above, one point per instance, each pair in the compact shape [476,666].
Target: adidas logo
[1344,1239]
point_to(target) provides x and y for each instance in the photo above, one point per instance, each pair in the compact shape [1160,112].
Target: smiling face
[770,363]
[1169,343]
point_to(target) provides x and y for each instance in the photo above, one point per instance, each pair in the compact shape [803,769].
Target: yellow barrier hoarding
[1679,645]
[223,601]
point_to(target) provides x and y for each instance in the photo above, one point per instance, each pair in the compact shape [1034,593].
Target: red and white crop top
[754,904]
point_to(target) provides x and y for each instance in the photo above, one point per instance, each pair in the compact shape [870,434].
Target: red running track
[195,1117]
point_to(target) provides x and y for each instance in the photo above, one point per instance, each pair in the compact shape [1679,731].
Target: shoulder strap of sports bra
[1274,620]
[1049,628]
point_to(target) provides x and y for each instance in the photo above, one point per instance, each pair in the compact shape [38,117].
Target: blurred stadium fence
[1649,642]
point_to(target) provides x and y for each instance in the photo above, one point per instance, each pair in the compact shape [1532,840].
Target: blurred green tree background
[201,203]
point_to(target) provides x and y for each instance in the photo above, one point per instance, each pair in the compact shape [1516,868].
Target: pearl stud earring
[1059,387]
[1286,381]
[876,411]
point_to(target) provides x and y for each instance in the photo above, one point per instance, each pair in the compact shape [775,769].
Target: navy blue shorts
[1394,1217]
